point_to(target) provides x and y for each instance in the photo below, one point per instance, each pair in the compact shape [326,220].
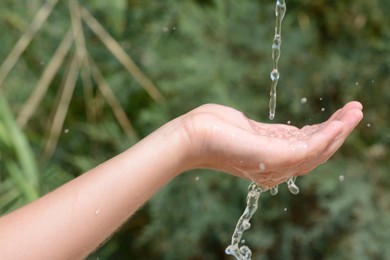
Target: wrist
[185,143]
[175,145]
[197,128]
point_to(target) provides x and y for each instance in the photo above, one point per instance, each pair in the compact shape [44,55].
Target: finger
[322,153]
[322,158]
[340,113]
[351,106]
[326,141]
[350,120]
[321,145]
[321,139]
[354,105]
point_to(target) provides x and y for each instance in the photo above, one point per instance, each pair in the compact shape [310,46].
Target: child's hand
[224,139]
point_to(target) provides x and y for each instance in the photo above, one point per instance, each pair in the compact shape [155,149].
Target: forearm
[73,220]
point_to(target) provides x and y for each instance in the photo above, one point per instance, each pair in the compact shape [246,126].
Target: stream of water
[237,247]
[280,11]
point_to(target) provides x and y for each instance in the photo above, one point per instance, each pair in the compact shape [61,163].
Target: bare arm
[72,221]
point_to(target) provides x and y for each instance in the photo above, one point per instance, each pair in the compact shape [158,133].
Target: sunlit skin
[283,150]
[73,220]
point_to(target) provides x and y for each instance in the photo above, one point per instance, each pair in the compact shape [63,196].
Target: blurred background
[83,80]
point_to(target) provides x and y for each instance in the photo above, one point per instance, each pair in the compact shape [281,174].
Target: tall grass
[19,178]
[74,46]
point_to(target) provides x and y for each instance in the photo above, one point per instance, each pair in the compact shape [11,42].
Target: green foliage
[18,170]
[213,51]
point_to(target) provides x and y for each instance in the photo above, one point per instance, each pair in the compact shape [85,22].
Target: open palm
[268,154]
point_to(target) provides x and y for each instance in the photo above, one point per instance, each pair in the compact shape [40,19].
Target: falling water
[292,187]
[280,11]
[243,252]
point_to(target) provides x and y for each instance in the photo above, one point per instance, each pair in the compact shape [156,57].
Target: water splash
[252,201]
[280,11]
[243,252]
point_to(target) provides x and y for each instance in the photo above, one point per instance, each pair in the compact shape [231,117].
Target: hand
[224,139]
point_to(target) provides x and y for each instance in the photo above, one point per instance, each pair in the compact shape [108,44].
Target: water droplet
[243,241]
[274,190]
[245,252]
[285,209]
[298,145]
[292,187]
[271,116]
[320,98]
[246,224]
[368,125]
[274,75]
[231,250]
[357,83]
[341,178]
[197,178]
[322,109]
[262,167]
[289,122]
[303,100]
[66,131]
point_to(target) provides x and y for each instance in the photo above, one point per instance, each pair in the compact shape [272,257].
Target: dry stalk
[43,84]
[63,106]
[82,51]
[114,47]
[25,39]
[116,107]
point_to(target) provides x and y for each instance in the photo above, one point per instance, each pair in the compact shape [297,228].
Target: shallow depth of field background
[91,102]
